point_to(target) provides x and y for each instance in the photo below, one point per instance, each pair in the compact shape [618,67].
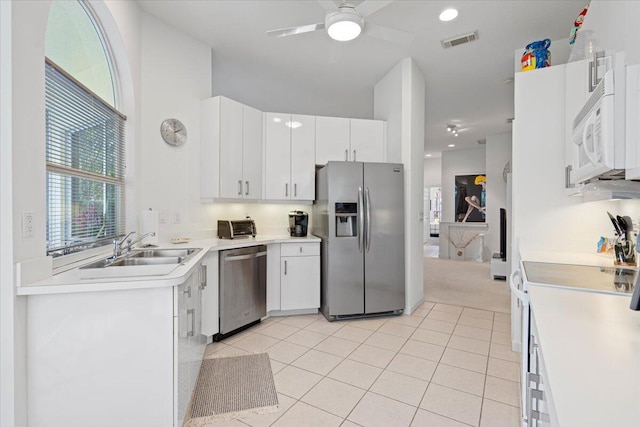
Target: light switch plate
[27,224]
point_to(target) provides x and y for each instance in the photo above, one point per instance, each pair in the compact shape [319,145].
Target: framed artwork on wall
[470,197]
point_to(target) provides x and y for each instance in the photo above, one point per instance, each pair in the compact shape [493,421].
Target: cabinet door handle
[203,278]
[285,267]
[300,249]
[239,187]
[295,190]
[354,155]
[187,292]
[247,191]
[594,79]
[346,155]
[567,177]
[191,312]
[286,190]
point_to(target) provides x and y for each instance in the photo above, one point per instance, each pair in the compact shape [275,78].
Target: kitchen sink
[161,253]
[124,262]
[140,262]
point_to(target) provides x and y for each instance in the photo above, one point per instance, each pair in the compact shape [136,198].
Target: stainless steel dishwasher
[243,289]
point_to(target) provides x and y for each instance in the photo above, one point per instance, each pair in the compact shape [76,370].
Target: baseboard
[278,313]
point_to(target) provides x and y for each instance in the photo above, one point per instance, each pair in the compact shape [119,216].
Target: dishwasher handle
[248,256]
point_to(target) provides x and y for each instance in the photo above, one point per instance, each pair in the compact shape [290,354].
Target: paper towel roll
[149,223]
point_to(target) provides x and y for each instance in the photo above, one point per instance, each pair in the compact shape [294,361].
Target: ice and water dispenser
[346,219]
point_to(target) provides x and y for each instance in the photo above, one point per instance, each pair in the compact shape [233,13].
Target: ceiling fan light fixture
[344,25]
[448,15]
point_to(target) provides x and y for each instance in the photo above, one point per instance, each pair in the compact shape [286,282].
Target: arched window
[84,134]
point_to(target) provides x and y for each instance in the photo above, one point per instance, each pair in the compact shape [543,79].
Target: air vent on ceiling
[458,40]
[482,141]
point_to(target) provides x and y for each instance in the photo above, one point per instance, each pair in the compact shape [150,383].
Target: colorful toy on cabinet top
[536,55]
[573,34]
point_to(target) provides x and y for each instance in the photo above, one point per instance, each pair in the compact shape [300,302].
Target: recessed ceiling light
[455,134]
[448,15]
[277,119]
[427,155]
[452,145]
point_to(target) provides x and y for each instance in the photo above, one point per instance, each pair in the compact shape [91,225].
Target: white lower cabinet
[538,408]
[300,282]
[190,341]
[299,276]
[293,277]
[122,358]
[210,307]
[101,359]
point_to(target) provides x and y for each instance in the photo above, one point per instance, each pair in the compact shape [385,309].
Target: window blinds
[85,165]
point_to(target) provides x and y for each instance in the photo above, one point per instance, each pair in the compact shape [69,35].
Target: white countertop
[590,344]
[556,257]
[70,281]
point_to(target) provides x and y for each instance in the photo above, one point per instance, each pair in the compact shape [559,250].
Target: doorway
[432,205]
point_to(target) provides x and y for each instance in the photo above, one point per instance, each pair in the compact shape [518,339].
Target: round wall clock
[174,132]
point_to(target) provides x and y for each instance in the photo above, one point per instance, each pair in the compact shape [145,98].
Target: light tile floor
[443,366]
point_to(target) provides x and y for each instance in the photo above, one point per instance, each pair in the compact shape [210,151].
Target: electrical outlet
[162,218]
[177,218]
[27,224]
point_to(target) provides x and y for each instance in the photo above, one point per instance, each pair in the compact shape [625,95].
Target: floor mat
[230,387]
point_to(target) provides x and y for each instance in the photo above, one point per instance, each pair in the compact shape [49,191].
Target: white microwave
[598,137]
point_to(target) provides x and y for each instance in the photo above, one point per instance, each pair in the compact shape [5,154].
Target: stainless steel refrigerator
[359,215]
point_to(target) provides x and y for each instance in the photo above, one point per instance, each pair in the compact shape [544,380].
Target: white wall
[7,296]
[399,98]
[388,106]
[432,172]
[168,178]
[28,25]
[268,90]
[498,153]
[459,162]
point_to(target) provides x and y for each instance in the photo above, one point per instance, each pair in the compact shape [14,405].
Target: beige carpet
[232,387]
[465,283]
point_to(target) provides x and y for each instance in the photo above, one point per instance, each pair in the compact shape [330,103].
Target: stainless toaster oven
[230,229]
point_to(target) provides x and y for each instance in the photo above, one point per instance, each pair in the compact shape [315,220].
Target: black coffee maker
[298,223]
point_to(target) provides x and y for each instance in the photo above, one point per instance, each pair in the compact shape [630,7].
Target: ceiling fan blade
[292,31]
[369,7]
[328,4]
[387,33]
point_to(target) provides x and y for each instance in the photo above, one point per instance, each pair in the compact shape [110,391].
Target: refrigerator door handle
[360,219]
[367,202]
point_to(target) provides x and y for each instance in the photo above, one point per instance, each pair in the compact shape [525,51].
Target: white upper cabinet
[231,150]
[230,159]
[277,153]
[303,166]
[352,140]
[251,153]
[367,140]
[289,156]
[332,139]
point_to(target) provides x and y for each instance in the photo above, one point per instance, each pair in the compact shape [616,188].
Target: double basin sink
[139,262]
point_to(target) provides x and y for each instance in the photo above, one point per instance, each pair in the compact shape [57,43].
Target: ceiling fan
[345,21]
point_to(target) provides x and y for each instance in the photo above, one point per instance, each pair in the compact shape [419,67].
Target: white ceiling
[464,85]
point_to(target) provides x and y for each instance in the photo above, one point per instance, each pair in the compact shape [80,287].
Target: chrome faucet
[119,246]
